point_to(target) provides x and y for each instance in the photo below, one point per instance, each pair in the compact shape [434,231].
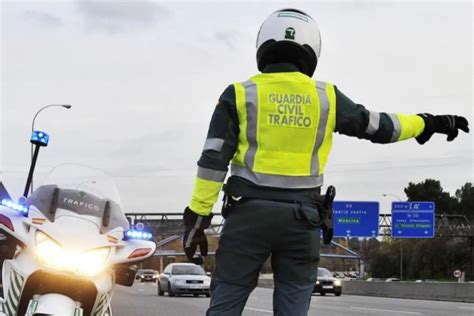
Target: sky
[143,78]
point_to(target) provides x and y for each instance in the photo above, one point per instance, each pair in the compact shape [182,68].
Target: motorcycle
[72,242]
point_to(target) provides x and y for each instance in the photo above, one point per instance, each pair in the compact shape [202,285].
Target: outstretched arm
[355,120]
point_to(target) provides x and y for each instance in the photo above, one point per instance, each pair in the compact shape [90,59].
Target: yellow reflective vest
[286,122]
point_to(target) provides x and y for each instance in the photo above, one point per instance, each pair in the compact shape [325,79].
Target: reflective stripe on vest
[286,123]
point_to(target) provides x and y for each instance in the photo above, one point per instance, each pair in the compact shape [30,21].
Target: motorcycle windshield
[84,178]
[82,190]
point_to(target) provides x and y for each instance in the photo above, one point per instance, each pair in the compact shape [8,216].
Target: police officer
[276,130]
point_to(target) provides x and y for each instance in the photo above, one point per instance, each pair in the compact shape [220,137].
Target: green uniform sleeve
[355,120]
[219,148]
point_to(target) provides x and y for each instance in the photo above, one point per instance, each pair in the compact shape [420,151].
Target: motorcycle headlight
[51,255]
[48,251]
[93,261]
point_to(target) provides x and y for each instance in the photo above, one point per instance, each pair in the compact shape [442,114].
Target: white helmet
[289,35]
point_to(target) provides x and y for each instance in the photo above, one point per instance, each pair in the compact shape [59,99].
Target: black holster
[328,224]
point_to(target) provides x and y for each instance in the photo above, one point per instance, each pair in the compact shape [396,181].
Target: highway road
[142,299]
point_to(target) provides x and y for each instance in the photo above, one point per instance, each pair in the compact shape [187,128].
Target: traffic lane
[369,305]
[142,299]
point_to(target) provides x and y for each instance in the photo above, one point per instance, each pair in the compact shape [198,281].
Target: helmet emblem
[82,194]
[290,33]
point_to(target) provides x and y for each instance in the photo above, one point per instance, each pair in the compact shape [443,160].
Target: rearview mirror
[125,275]
[7,247]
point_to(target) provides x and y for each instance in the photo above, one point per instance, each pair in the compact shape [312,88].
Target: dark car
[326,283]
[147,275]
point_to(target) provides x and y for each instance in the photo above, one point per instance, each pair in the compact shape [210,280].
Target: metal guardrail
[446,225]
[170,224]
[167,240]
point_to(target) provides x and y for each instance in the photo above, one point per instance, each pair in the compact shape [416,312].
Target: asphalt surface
[142,299]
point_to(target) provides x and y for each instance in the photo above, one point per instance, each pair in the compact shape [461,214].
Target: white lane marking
[468,308]
[141,290]
[259,310]
[385,310]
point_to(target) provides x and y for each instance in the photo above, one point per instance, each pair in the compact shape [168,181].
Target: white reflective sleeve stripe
[211,175]
[193,232]
[452,122]
[374,123]
[213,144]
[397,128]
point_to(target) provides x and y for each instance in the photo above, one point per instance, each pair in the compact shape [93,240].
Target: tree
[431,190]
[465,196]
[427,258]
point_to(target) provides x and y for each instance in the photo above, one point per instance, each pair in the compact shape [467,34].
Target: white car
[184,278]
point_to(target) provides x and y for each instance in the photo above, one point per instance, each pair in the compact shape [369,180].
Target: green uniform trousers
[255,229]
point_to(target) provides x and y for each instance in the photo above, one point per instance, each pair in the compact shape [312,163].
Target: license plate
[33,305]
[195,286]
[327,287]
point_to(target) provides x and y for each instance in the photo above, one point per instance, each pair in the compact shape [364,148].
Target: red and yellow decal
[38,221]
[112,239]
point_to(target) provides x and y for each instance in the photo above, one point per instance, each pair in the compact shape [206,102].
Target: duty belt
[244,189]
[235,189]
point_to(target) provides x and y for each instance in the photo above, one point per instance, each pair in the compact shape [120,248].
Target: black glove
[443,124]
[194,235]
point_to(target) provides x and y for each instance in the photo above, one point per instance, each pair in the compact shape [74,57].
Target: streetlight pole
[401,243]
[66,106]
[395,196]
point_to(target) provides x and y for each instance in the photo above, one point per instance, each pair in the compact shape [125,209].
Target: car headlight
[337,283]
[179,281]
[317,282]
[51,255]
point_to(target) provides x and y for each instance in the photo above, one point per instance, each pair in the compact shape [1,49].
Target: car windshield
[193,270]
[324,272]
[149,272]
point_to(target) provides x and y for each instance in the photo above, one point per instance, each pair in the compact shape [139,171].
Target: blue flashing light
[40,138]
[16,206]
[135,234]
